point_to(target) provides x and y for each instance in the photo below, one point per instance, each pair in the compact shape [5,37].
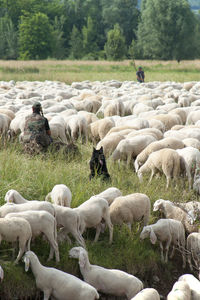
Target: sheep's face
[75,252]
[9,196]
[157,205]
[145,232]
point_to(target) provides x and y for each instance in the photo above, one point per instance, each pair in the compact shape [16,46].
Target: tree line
[98,29]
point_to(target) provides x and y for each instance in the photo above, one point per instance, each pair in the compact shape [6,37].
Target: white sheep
[16,229]
[180,290]
[193,248]
[41,222]
[169,120]
[92,212]
[110,194]
[57,284]
[191,142]
[77,127]
[169,231]
[13,196]
[57,126]
[166,161]
[108,281]
[60,195]
[99,129]
[172,211]
[70,221]
[196,184]
[171,143]
[147,294]
[109,143]
[130,208]
[194,285]
[192,158]
[129,148]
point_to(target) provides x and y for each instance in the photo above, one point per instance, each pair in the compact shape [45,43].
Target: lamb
[171,143]
[194,285]
[108,281]
[60,195]
[16,229]
[169,231]
[41,222]
[170,210]
[167,161]
[180,290]
[130,148]
[92,212]
[193,247]
[130,208]
[110,194]
[147,294]
[69,220]
[12,196]
[57,284]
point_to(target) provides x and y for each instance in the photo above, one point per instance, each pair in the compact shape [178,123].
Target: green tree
[76,43]
[89,38]
[166,30]
[58,49]
[115,46]
[35,36]
[8,37]
[123,12]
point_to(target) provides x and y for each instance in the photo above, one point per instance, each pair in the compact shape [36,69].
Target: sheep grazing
[110,194]
[60,195]
[147,294]
[70,221]
[171,211]
[12,196]
[172,143]
[169,231]
[108,281]
[41,222]
[92,212]
[57,284]
[180,290]
[16,229]
[130,208]
[166,161]
[193,248]
[194,285]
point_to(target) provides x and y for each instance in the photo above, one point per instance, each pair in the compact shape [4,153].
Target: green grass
[70,71]
[34,177]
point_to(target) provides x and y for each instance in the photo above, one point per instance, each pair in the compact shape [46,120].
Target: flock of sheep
[153,127]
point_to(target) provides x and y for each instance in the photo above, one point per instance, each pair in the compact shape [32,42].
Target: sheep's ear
[82,260]
[27,263]
[9,197]
[153,237]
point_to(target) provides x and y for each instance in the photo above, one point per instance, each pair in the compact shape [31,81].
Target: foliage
[8,37]
[115,46]
[58,49]
[35,35]
[167,30]
[76,43]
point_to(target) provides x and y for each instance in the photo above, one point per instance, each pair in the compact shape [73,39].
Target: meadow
[35,176]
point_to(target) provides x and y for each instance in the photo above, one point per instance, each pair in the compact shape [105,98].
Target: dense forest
[99,29]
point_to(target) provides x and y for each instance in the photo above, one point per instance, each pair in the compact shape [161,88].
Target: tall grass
[35,176]
[70,71]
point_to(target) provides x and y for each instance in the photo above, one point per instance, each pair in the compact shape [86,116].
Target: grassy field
[70,71]
[35,177]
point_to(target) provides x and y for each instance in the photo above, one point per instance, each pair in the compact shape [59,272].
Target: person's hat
[140,67]
[37,105]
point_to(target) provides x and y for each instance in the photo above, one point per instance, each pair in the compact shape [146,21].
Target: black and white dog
[98,164]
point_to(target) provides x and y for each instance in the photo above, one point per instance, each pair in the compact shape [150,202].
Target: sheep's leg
[173,251]
[168,180]
[161,250]
[152,174]
[109,224]
[98,230]
[21,252]
[189,258]
[129,156]
[47,294]
[78,237]
[129,226]
[54,248]
[167,249]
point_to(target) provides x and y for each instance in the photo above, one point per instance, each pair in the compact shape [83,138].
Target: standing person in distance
[140,75]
